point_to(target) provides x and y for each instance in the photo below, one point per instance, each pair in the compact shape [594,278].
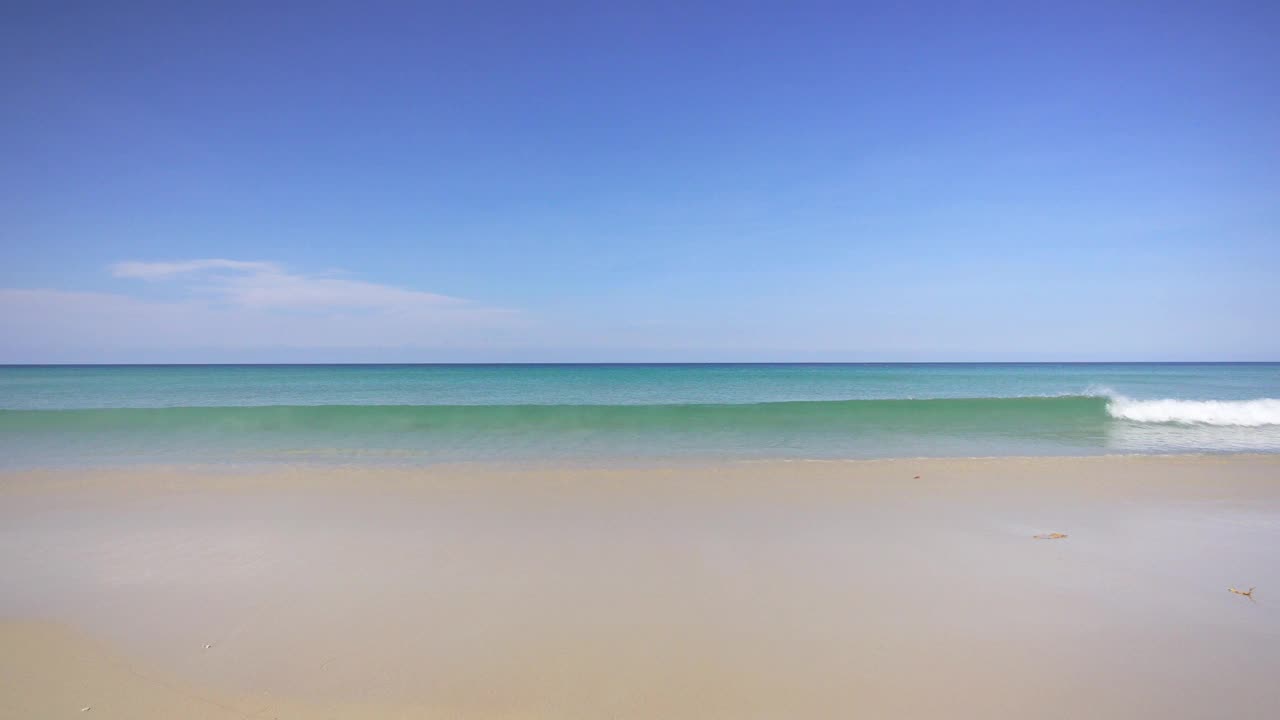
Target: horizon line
[643,363]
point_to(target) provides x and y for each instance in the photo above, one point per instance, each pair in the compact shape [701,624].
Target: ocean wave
[1240,413]
[1004,415]
[936,415]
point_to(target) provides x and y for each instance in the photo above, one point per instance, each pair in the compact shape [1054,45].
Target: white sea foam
[1243,413]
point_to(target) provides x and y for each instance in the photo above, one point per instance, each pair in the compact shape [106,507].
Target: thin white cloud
[153,270]
[285,290]
[266,285]
[32,320]
[233,304]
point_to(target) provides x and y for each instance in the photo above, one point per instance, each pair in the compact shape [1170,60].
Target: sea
[93,415]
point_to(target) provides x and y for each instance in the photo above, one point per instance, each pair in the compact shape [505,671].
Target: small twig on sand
[1049,536]
[1248,593]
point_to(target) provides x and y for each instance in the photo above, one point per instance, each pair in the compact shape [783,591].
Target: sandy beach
[896,588]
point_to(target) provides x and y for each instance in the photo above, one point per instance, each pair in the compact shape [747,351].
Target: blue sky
[683,181]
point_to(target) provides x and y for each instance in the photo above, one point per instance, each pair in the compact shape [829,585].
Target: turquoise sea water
[75,415]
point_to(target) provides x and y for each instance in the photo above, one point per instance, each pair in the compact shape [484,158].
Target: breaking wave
[1241,413]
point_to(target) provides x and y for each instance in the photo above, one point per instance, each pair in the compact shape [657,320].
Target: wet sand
[742,590]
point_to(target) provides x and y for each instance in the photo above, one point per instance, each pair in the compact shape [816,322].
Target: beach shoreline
[906,588]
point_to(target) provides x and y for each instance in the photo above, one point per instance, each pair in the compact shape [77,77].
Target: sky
[638,182]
